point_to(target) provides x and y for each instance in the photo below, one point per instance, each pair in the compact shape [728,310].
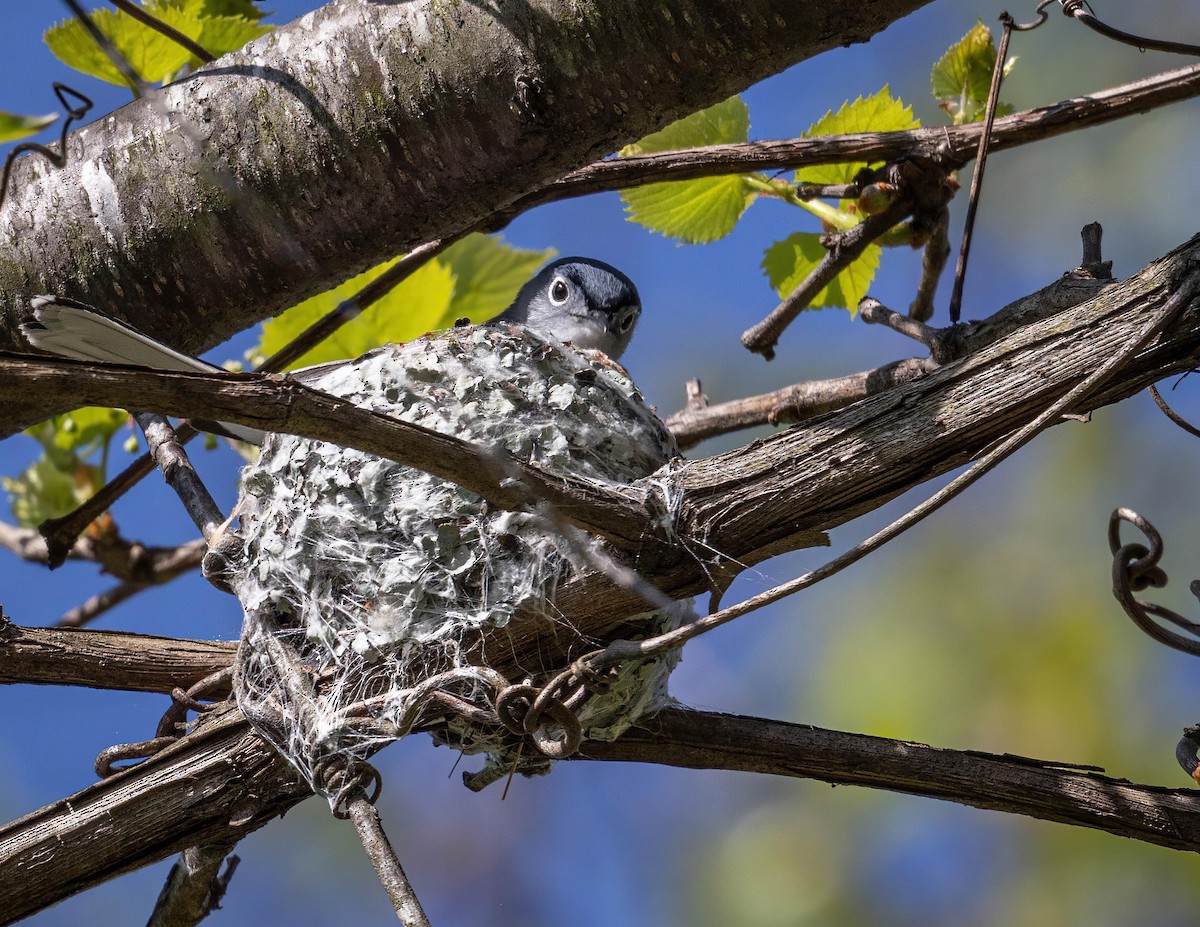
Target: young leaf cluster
[71,467]
[704,210]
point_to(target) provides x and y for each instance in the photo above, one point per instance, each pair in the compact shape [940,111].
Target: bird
[371,574]
[579,301]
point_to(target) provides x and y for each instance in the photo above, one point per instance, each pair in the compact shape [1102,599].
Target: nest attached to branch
[367,584]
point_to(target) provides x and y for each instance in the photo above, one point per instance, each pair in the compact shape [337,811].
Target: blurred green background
[989,627]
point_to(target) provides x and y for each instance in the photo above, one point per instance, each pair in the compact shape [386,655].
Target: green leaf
[62,478]
[13,127]
[220,35]
[243,8]
[487,276]
[414,307]
[695,211]
[787,262]
[152,55]
[68,437]
[475,278]
[722,122]
[962,78]
[879,113]
[43,490]
[221,26]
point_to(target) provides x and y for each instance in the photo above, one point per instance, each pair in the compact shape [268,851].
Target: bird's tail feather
[83,334]
[74,331]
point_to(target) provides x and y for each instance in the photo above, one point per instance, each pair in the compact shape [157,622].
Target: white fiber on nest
[371,574]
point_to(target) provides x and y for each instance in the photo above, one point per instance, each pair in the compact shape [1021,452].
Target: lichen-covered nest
[363,577]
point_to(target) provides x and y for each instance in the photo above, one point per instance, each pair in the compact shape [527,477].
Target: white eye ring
[626,320]
[559,291]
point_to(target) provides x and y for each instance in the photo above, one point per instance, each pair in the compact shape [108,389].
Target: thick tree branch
[276,403]
[103,830]
[1015,785]
[363,129]
[107,659]
[951,145]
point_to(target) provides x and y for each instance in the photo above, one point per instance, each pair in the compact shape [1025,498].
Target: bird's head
[581,300]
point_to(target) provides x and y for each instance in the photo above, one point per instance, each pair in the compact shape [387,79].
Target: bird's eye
[627,320]
[559,291]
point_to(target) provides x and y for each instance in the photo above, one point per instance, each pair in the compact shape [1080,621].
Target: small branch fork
[922,189]
[699,419]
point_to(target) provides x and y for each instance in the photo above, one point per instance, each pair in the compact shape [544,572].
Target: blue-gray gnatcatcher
[581,301]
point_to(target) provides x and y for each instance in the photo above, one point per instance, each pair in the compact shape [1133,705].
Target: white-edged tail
[82,334]
[74,331]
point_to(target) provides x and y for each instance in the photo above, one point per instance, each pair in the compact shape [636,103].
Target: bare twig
[135,81]
[933,262]
[985,137]
[354,306]
[695,423]
[1172,414]
[194,887]
[107,659]
[873,312]
[179,473]
[922,189]
[387,864]
[96,605]
[845,248]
